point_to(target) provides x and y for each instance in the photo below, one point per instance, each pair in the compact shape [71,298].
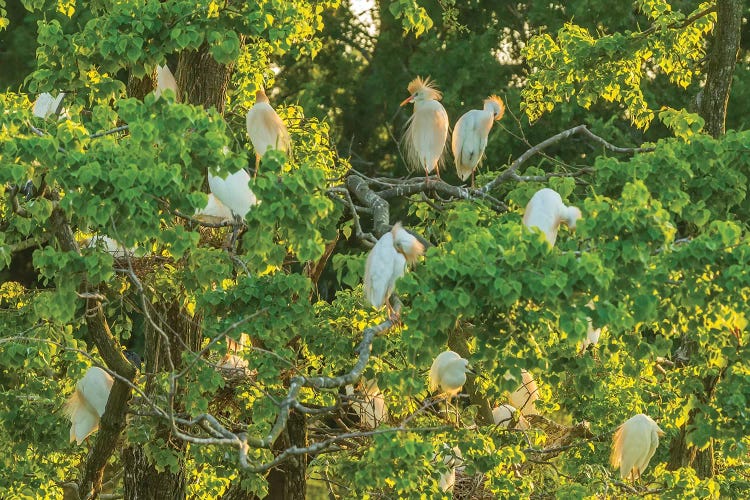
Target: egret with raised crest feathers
[470,136]
[427,128]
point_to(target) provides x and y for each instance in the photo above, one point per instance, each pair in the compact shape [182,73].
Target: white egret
[470,136]
[111,246]
[633,445]
[452,458]
[215,212]
[448,373]
[86,405]
[233,191]
[547,211]
[526,394]
[427,128]
[371,407]
[165,80]
[266,129]
[592,334]
[387,262]
[503,415]
[46,105]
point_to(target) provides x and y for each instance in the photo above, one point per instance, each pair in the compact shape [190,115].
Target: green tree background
[624,108]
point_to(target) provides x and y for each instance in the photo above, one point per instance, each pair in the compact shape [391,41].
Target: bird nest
[215,237]
[141,266]
[468,487]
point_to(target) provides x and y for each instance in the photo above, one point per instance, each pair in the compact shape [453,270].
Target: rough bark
[201,80]
[139,87]
[721,62]
[288,480]
[142,481]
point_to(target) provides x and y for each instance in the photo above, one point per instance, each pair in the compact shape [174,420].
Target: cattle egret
[236,346]
[451,458]
[46,105]
[215,212]
[86,406]
[165,80]
[592,334]
[266,129]
[371,407]
[546,211]
[233,191]
[503,415]
[448,373]
[234,365]
[111,246]
[470,136]
[525,396]
[387,262]
[633,445]
[427,128]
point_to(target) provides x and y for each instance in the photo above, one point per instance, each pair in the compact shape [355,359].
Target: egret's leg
[472,178]
[257,165]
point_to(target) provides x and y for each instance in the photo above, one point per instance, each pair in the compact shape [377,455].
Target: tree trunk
[722,57]
[201,80]
[288,479]
[139,87]
[681,453]
[142,481]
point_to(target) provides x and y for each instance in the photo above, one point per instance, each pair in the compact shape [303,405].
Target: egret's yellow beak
[407,100]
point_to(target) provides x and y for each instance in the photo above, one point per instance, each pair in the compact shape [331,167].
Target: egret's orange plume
[500,104]
[428,84]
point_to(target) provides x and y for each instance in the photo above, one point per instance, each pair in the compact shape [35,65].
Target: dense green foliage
[662,250]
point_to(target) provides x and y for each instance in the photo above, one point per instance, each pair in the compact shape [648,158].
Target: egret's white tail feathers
[83,418]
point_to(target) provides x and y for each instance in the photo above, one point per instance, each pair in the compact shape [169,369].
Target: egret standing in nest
[86,405]
[524,397]
[470,136]
[427,128]
[547,211]
[387,262]
[503,415]
[448,374]
[266,129]
[633,445]
[370,405]
[165,80]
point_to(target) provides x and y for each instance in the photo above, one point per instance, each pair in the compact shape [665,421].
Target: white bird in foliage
[526,394]
[547,211]
[214,212]
[448,373]
[266,129]
[371,407]
[427,128]
[451,458]
[86,406]
[46,105]
[111,246]
[633,445]
[470,136]
[233,191]
[165,80]
[503,415]
[387,262]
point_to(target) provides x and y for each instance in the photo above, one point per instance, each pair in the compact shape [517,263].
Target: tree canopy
[634,112]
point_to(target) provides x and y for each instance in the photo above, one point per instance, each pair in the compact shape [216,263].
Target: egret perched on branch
[547,211]
[503,415]
[592,334]
[633,445]
[266,129]
[165,80]
[387,262]
[233,191]
[371,407]
[448,373]
[86,406]
[470,136]
[427,128]
[46,105]
[525,396]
